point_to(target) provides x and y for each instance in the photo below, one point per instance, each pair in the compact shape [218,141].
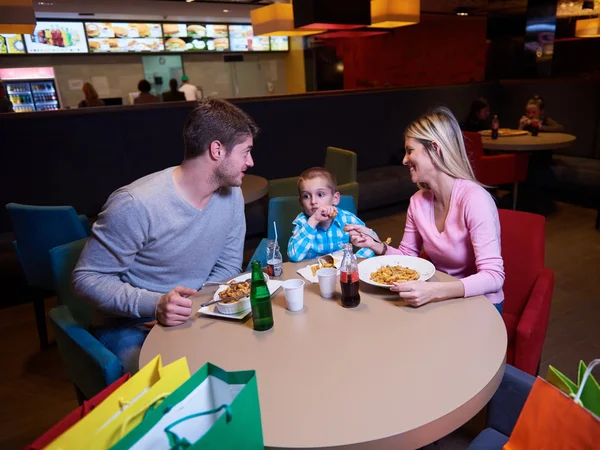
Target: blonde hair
[440,126]
[318,172]
[89,92]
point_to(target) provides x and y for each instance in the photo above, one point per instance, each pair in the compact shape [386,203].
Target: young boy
[319,229]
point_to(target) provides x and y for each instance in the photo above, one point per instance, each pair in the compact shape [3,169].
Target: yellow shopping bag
[123,409]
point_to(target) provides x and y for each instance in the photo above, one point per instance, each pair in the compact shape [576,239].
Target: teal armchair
[89,364]
[37,229]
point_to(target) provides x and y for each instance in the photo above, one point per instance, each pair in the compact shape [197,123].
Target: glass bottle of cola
[349,278]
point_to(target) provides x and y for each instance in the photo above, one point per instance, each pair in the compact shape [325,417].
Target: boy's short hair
[318,172]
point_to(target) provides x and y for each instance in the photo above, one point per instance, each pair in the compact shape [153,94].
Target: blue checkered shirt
[309,243]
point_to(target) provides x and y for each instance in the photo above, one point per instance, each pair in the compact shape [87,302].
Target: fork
[369,235]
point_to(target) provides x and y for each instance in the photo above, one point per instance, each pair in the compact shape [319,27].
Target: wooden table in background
[254,188]
[382,375]
[529,143]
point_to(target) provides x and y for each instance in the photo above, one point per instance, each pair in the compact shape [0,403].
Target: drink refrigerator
[31,88]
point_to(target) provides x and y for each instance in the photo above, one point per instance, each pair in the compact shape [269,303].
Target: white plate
[213,311]
[366,267]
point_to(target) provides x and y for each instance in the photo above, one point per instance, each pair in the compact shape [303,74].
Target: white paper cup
[294,294]
[327,281]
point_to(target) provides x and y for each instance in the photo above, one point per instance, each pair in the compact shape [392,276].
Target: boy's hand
[323,214]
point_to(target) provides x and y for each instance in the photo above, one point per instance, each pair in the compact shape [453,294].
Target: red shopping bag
[551,420]
[74,417]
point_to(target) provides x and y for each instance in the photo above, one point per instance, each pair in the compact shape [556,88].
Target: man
[6,105]
[160,238]
[190,91]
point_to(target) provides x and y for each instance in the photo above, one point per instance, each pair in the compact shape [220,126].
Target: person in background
[534,111]
[91,96]
[477,120]
[190,91]
[173,95]
[6,105]
[158,239]
[452,217]
[319,229]
[145,96]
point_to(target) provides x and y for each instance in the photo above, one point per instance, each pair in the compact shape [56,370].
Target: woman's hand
[417,293]
[523,122]
[360,236]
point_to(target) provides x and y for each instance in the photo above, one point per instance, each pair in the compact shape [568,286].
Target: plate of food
[239,285]
[504,132]
[385,270]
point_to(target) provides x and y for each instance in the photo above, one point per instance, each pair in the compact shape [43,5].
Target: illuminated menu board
[57,37]
[195,37]
[122,37]
[125,37]
[12,44]
[279,44]
[242,39]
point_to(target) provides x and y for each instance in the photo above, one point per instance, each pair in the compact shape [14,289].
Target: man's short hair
[318,172]
[212,120]
[144,86]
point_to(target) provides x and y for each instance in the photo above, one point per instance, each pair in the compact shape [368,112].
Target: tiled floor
[35,393]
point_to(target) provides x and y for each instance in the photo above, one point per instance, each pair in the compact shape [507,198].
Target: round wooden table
[254,188]
[529,143]
[382,375]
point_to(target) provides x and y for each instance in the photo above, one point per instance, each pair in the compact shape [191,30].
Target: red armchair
[528,287]
[495,170]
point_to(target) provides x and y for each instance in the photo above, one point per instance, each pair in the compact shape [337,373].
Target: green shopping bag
[590,397]
[214,409]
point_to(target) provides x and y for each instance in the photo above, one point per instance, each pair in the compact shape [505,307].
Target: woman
[477,119]
[173,94]
[452,217]
[91,96]
[534,113]
[145,96]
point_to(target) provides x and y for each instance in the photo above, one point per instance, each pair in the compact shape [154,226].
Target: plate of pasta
[385,270]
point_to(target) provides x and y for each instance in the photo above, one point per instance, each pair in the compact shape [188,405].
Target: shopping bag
[590,397]
[76,415]
[214,409]
[550,420]
[105,424]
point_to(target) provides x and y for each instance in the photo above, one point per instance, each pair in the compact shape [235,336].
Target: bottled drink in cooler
[274,259]
[349,278]
[260,300]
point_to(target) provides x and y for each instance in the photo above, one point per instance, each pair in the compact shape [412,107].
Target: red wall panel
[439,50]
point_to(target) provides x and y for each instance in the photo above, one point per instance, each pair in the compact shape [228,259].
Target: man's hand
[173,308]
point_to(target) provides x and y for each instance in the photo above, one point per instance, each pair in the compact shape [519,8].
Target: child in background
[319,229]
[534,112]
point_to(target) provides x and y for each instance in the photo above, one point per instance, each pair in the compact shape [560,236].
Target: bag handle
[145,410]
[586,375]
[176,442]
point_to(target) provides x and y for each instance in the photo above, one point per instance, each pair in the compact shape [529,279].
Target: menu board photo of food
[12,44]
[181,37]
[57,37]
[279,44]
[242,39]
[117,37]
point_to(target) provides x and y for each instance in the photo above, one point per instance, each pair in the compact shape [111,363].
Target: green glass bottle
[260,300]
